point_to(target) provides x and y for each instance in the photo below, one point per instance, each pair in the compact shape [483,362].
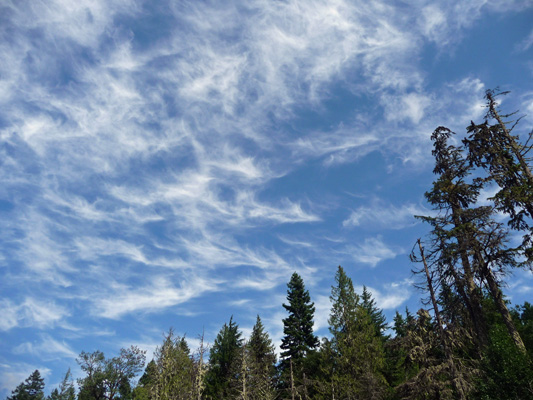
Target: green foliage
[298,340]
[344,305]
[171,377]
[148,379]
[376,314]
[426,370]
[31,389]
[524,322]
[222,378]
[298,337]
[262,364]
[358,355]
[66,389]
[109,378]
[507,373]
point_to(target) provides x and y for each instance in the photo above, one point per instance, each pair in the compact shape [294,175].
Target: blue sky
[172,163]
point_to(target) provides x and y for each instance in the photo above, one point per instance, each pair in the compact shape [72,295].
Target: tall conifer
[222,376]
[298,340]
[262,361]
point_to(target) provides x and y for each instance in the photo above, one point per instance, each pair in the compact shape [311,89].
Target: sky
[172,163]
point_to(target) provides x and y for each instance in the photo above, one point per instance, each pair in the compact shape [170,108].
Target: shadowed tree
[492,146]
[222,378]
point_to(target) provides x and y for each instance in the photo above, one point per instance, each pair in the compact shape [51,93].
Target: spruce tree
[298,337]
[298,340]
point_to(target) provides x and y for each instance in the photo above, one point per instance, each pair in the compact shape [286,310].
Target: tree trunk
[497,296]
[456,380]
[476,312]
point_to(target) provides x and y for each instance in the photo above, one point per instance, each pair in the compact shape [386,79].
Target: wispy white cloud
[31,313]
[526,43]
[385,215]
[48,348]
[392,295]
[157,295]
[373,250]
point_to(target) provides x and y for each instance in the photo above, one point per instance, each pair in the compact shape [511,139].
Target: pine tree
[222,378]
[298,340]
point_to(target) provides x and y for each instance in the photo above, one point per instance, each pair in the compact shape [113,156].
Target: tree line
[468,343]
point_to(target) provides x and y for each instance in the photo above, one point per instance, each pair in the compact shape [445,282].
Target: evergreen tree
[425,367]
[344,305]
[172,376]
[222,378]
[358,351]
[451,236]
[66,389]
[143,391]
[262,361]
[470,235]
[376,314]
[492,146]
[31,389]
[298,340]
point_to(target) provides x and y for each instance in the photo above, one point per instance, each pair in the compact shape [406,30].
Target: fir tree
[222,377]
[376,314]
[298,340]
[298,337]
[358,351]
[262,357]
